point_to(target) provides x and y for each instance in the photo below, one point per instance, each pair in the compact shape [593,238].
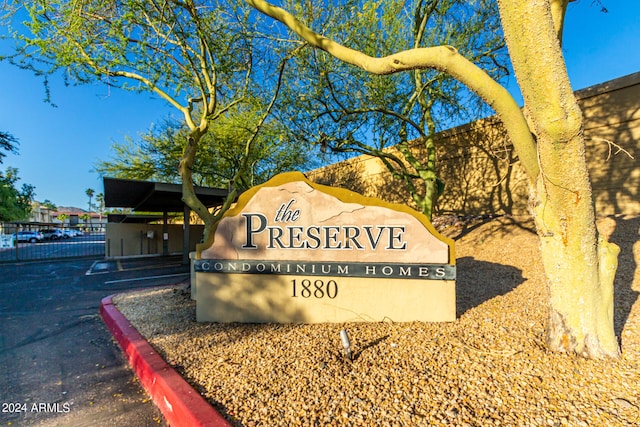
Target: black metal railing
[29,242]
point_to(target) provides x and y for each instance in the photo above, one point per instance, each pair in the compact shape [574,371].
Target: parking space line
[137,279]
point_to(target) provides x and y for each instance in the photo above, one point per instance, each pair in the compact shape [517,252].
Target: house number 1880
[318,288]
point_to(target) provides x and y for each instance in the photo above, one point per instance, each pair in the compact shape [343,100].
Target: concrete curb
[179,403]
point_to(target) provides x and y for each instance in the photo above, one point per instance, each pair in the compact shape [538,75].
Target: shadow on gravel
[457,226]
[625,236]
[479,281]
[369,345]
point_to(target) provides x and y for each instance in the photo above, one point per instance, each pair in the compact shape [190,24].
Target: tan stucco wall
[483,175]
[612,113]
[131,239]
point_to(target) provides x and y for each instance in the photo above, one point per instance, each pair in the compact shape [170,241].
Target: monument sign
[295,251]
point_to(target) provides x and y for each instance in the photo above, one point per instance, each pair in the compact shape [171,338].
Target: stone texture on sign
[294,251]
[389,234]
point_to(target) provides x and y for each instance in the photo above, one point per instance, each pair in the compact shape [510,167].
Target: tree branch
[558,11]
[442,58]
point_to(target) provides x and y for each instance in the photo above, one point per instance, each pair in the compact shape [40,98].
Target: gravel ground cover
[488,368]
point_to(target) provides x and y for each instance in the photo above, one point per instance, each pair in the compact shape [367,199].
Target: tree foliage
[15,204]
[7,143]
[579,264]
[155,154]
[90,192]
[349,110]
[62,218]
[49,205]
[202,57]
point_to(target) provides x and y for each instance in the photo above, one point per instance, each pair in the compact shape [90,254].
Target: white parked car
[51,234]
[29,236]
[68,233]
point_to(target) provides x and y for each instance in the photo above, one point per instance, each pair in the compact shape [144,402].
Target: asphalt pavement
[59,365]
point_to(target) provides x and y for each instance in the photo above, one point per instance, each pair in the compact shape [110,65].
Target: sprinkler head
[346,344]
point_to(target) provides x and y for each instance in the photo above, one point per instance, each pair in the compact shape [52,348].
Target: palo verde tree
[155,154]
[198,56]
[345,109]
[579,264]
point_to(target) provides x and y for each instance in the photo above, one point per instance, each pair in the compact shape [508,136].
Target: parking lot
[58,363]
[85,245]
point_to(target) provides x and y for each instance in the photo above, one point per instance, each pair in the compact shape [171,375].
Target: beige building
[74,217]
[41,213]
[79,218]
[483,175]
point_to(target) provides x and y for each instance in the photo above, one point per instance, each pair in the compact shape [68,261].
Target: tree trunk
[188,191]
[579,265]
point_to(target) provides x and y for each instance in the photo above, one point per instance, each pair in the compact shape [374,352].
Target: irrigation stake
[346,344]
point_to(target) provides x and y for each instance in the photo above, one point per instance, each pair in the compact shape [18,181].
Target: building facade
[482,173]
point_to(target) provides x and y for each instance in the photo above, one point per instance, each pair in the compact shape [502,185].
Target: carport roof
[147,196]
[136,218]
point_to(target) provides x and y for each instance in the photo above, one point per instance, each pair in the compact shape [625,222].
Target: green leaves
[15,204]
[349,110]
[178,50]
[155,154]
[8,143]
[205,58]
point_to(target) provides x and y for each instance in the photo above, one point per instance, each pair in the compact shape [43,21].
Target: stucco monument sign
[295,251]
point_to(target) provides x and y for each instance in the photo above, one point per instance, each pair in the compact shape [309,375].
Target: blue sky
[59,146]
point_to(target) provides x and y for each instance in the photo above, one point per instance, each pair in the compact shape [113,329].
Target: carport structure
[158,197]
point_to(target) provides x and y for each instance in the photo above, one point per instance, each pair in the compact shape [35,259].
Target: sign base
[253,298]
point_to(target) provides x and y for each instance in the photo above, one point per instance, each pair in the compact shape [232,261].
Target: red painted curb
[179,403]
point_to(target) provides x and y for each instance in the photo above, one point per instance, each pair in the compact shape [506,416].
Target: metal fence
[30,242]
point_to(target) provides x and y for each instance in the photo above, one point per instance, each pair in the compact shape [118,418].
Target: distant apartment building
[67,217]
[41,213]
